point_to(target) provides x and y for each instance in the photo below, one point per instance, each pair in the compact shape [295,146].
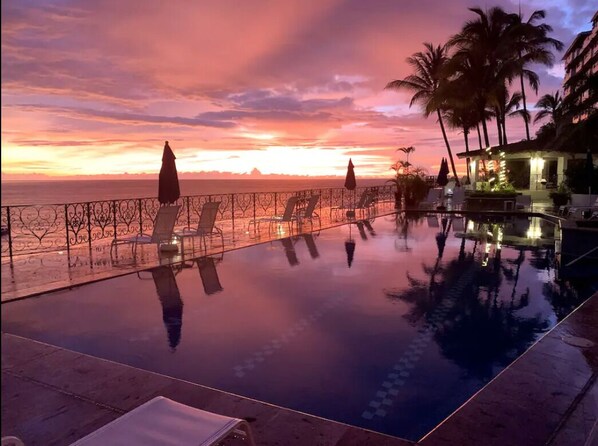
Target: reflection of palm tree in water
[172,305]
[480,330]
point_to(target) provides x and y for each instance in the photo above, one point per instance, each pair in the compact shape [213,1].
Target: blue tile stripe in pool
[397,378]
[259,356]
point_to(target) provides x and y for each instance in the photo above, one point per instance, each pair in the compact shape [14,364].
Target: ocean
[16,193]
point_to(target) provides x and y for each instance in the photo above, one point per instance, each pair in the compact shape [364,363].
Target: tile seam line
[569,412]
[65,392]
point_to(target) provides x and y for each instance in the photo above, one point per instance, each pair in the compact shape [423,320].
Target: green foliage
[577,179]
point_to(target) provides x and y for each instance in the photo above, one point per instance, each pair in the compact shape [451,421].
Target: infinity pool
[389,324]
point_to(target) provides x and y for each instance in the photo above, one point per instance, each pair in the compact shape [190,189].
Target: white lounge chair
[288,216]
[165,422]
[11,441]
[309,213]
[206,226]
[161,234]
[366,201]
[578,210]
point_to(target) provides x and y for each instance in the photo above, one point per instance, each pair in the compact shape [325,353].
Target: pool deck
[54,396]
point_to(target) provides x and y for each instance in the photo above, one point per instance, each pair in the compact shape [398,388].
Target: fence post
[254,209]
[114,217]
[66,227]
[8,227]
[140,217]
[89,226]
[187,199]
[232,215]
[275,203]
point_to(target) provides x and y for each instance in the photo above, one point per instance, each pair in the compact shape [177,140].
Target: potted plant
[561,195]
[409,181]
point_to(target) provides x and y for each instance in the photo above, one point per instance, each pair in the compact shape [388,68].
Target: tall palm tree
[533,46]
[484,59]
[464,118]
[425,84]
[505,105]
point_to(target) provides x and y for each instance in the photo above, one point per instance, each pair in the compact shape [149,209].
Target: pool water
[389,324]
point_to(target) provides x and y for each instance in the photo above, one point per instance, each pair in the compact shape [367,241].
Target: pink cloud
[228,76]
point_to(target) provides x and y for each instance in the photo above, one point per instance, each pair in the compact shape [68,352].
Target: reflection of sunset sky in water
[307,332]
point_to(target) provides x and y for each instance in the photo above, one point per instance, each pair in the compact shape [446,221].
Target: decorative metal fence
[40,228]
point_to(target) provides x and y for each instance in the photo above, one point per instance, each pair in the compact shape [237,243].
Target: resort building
[581,60]
[531,169]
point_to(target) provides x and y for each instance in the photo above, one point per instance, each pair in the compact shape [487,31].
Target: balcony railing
[41,228]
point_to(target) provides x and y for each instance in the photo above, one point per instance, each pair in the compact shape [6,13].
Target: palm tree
[551,106]
[484,60]
[533,46]
[464,118]
[505,104]
[425,84]
[407,151]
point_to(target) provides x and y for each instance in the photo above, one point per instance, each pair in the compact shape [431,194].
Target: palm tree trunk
[499,127]
[485,129]
[504,129]
[466,136]
[524,106]
[479,135]
[448,147]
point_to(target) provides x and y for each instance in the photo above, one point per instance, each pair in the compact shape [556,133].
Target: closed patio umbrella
[442,179]
[168,183]
[350,184]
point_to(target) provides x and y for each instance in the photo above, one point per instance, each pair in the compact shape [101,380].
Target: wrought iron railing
[40,228]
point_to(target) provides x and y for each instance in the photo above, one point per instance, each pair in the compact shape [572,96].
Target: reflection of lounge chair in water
[209,275]
[369,227]
[361,230]
[172,305]
[311,246]
[289,250]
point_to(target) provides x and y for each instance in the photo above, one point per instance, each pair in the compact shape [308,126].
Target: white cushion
[163,422]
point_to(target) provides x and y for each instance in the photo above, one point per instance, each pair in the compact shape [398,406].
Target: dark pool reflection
[392,335]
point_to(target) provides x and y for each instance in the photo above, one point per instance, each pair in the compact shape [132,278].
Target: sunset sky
[287,87]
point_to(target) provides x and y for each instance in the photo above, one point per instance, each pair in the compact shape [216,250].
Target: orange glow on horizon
[291,88]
